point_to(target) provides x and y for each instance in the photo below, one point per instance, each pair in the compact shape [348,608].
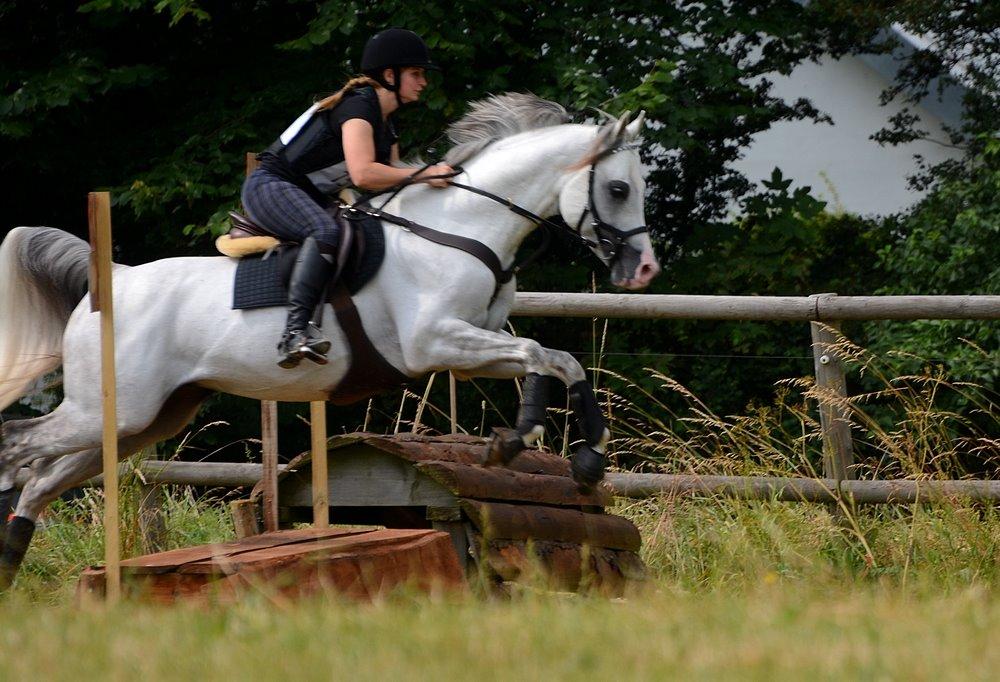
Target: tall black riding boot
[302,339]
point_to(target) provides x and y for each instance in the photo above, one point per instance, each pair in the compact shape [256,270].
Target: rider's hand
[438,169]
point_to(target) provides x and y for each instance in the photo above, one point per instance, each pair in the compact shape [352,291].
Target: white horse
[429,308]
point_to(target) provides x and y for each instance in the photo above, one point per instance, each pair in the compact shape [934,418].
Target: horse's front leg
[471,351]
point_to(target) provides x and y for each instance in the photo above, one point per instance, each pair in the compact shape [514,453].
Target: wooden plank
[277,556]
[269,457]
[524,522]
[775,308]
[363,476]
[831,380]
[422,560]
[458,533]
[166,562]
[498,483]
[320,490]
[99,218]
[364,566]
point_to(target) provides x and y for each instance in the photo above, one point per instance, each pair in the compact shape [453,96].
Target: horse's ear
[608,118]
[633,129]
[620,126]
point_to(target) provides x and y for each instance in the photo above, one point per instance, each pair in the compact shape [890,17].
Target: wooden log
[498,483]
[528,461]
[776,308]
[525,522]
[564,566]
[802,489]
[99,215]
[831,380]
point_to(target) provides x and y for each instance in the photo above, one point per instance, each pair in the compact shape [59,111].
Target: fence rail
[815,308]
[633,485]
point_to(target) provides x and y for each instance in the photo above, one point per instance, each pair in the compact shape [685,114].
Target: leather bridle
[609,237]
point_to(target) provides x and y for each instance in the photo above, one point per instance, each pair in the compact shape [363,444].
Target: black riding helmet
[394,48]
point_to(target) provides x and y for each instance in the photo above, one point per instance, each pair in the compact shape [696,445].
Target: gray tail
[43,276]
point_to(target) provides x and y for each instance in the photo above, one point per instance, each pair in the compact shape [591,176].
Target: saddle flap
[243,227]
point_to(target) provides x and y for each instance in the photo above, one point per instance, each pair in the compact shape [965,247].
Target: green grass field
[737,590]
[747,590]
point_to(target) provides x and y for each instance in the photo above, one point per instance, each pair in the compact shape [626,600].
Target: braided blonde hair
[333,100]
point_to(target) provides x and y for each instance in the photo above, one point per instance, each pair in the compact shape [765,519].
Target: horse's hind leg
[68,429]
[56,476]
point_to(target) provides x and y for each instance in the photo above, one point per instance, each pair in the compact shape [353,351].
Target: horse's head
[603,199]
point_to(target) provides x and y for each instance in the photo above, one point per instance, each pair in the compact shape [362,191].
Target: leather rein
[609,238]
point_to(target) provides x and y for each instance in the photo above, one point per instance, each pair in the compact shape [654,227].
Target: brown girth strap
[369,373]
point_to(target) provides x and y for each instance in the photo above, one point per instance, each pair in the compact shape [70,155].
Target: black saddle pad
[262,280]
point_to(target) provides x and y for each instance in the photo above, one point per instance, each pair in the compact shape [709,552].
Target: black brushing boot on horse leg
[505,444]
[588,461]
[302,338]
[19,533]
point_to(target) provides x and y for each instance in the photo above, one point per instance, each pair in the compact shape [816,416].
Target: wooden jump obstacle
[360,563]
[505,522]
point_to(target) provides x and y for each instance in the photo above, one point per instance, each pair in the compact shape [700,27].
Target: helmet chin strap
[392,87]
[397,75]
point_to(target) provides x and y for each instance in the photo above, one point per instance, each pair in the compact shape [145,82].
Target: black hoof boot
[587,467]
[504,445]
[19,533]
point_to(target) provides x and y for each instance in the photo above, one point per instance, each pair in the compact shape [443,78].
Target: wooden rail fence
[824,313]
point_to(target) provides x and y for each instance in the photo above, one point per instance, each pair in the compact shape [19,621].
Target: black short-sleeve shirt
[310,153]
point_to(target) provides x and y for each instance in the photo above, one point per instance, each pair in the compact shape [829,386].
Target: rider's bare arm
[365,172]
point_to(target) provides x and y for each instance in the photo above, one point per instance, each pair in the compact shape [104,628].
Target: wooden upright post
[838,447]
[269,460]
[453,402]
[320,484]
[99,218]
[268,432]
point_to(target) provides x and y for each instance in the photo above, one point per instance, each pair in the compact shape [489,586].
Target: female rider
[347,139]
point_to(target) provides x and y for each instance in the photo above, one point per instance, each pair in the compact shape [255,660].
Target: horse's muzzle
[634,270]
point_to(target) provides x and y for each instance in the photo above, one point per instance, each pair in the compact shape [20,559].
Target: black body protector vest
[310,153]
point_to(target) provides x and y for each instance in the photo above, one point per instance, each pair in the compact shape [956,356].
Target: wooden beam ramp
[358,563]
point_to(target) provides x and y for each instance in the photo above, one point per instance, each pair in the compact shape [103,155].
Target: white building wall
[841,164]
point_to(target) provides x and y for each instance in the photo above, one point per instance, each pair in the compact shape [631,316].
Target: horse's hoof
[587,467]
[504,445]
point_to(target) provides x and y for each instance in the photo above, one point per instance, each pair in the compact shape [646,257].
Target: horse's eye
[618,189]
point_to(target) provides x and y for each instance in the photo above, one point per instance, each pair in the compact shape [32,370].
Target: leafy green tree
[160,99]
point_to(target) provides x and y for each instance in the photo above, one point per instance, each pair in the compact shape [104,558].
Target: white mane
[497,117]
